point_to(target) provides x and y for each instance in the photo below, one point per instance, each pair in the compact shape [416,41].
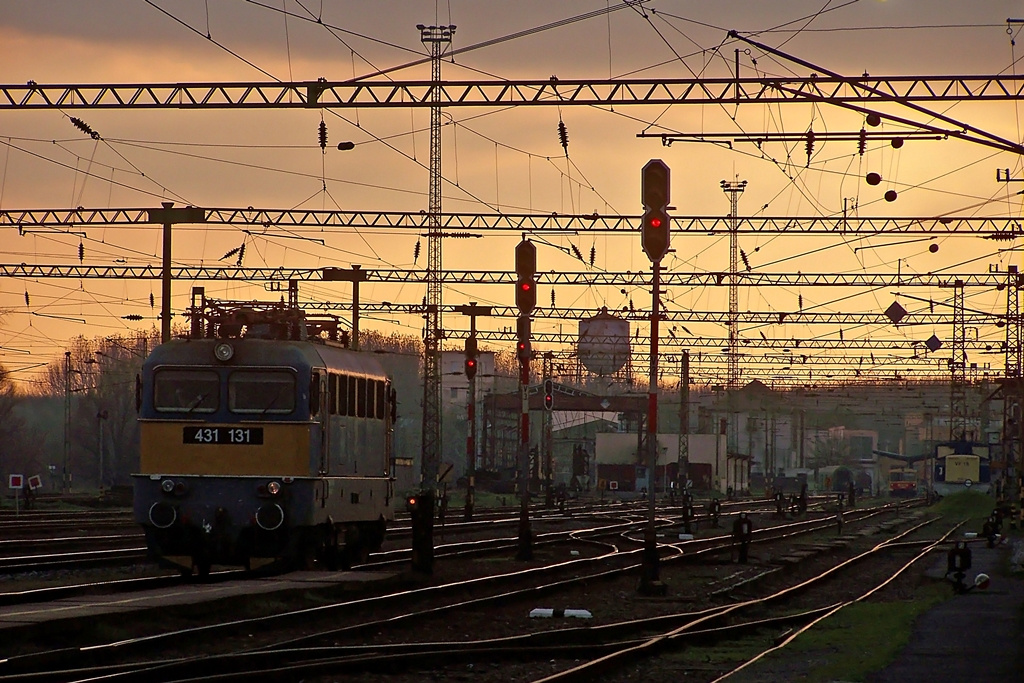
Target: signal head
[655,184]
[654,233]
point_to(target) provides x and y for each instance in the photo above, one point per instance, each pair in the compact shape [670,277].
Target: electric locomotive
[264,440]
[962,466]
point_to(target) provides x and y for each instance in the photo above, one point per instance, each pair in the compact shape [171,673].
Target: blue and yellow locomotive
[263,441]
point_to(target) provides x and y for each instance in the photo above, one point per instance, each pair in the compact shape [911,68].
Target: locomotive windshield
[261,392]
[186,391]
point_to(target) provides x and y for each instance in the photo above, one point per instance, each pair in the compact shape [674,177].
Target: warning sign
[16,481]
[35,482]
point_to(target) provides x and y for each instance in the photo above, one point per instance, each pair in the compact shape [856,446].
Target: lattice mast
[734,190]
[958,368]
[436,38]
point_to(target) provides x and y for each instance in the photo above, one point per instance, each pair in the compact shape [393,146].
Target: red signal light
[526,286]
[655,223]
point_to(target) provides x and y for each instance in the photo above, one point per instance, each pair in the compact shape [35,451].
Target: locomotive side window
[259,392]
[351,397]
[314,394]
[361,397]
[371,398]
[381,396]
[343,401]
[186,391]
[332,386]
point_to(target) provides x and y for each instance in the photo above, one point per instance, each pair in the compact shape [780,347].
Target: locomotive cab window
[260,392]
[186,391]
[361,398]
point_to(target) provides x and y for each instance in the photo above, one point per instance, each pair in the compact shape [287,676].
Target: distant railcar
[903,482]
[261,444]
[961,466]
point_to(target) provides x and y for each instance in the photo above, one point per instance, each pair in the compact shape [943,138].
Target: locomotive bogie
[202,520]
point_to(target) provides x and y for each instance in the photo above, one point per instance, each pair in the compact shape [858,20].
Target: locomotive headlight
[223,352]
[273,488]
[167,485]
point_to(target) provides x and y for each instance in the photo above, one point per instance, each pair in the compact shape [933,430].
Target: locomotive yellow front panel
[961,468]
[272,449]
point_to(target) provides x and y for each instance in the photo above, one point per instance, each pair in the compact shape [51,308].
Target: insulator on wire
[131,316]
[26,298]
[85,128]
[593,255]
[416,252]
[552,298]
[862,141]
[152,301]
[809,145]
[631,309]
[746,262]
[230,254]
[799,302]
[323,136]
[563,136]
[840,334]
[81,252]
[241,255]
[576,251]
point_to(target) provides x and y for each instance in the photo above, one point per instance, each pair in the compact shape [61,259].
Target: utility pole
[355,275]
[683,460]
[471,367]
[66,473]
[169,216]
[436,37]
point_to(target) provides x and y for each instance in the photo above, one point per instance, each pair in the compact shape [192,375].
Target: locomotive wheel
[356,554]
[200,568]
[332,556]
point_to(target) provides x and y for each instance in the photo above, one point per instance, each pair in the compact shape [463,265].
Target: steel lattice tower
[1013,323]
[1011,386]
[734,190]
[958,368]
[436,37]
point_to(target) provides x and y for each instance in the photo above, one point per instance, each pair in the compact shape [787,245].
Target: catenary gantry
[500,93]
[994,227]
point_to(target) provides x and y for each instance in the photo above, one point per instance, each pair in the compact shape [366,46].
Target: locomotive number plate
[223,435]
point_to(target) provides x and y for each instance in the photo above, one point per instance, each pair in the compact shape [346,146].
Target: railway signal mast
[471,365]
[654,237]
[526,301]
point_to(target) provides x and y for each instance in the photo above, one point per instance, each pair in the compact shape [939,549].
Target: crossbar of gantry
[670,344]
[684,316]
[986,280]
[525,92]
[517,223]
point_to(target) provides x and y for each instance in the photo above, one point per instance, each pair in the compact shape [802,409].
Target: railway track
[392,615]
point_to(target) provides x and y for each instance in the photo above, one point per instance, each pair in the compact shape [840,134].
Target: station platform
[86,606]
[977,636]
